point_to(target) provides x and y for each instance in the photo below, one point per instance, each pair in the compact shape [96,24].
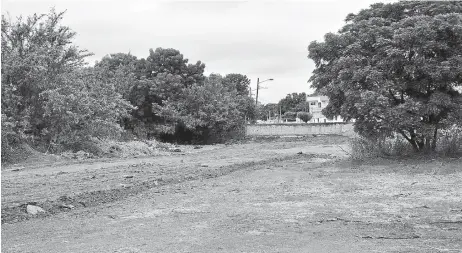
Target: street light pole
[258,88]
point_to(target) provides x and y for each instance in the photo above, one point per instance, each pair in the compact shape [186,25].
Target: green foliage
[293,102]
[237,82]
[304,116]
[364,148]
[209,110]
[83,107]
[51,99]
[47,95]
[450,142]
[290,116]
[266,110]
[171,61]
[394,68]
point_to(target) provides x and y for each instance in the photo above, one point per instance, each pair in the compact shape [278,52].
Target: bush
[450,142]
[304,116]
[290,116]
[362,148]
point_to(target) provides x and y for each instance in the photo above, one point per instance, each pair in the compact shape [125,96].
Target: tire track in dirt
[13,214]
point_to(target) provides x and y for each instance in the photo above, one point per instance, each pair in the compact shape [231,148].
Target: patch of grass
[362,148]
[450,142]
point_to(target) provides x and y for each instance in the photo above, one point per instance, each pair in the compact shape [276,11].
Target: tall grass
[449,144]
[362,148]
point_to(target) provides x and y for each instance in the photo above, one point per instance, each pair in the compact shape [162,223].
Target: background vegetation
[396,69]
[53,101]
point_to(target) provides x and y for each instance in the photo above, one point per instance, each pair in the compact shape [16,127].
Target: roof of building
[316,98]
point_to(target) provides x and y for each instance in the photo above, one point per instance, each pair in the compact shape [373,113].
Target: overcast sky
[265,39]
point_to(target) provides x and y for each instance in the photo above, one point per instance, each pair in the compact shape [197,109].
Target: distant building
[316,104]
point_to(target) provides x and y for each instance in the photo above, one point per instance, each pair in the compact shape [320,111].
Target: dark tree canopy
[293,102]
[237,82]
[395,68]
[171,61]
[304,116]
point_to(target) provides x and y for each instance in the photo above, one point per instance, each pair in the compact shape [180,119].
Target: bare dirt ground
[260,196]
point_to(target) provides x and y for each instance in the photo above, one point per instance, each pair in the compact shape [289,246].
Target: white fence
[299,129]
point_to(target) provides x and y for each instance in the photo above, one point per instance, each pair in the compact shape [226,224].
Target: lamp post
[258,88]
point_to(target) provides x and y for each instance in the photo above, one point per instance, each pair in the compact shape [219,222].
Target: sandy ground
[255,197]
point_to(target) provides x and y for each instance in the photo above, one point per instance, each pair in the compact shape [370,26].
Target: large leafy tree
[37,52]
[293,102]
[122,70]
[268,110]
[47,93]
[83,106]
[395,68]
[171,61]
[238,82]
[209,110]
[163,75]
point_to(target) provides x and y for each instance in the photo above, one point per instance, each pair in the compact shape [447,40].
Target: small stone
[17,169]
[197,147]
[175,150]
[299,153]
[67,206]
[204,165]
[34,209]
[128,176]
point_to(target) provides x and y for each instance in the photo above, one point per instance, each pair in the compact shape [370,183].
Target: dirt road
[253,197]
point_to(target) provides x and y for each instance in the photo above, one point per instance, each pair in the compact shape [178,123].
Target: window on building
[319,104]
[313,103]
[325,120]
[335,118]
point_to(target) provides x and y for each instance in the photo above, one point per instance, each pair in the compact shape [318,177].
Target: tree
[290,116]
[395,69]
[82,107]
[171,61]
[209,110]
[304,116]
[37,52]
[266,110]
[290,102]
[237,82]
[303,106]
[121,70]
[48,96]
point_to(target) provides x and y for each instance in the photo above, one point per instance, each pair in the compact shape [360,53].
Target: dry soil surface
[260,196]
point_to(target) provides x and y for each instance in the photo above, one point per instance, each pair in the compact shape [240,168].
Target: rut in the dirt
[94,198]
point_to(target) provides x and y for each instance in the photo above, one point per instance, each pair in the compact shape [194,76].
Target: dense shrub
[53,101]
[450,141]
[289,116]
[363,148]
[304,116]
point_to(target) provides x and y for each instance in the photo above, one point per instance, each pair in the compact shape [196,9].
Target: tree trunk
[411,140]
[435,137]
[415,144]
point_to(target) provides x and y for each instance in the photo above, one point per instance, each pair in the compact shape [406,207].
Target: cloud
[265,39]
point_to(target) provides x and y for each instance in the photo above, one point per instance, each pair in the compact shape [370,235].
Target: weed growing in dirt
[449,145]
[362,148]
[450,142]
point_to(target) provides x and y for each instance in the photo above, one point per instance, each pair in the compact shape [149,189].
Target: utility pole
[280,114]
[258,88]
